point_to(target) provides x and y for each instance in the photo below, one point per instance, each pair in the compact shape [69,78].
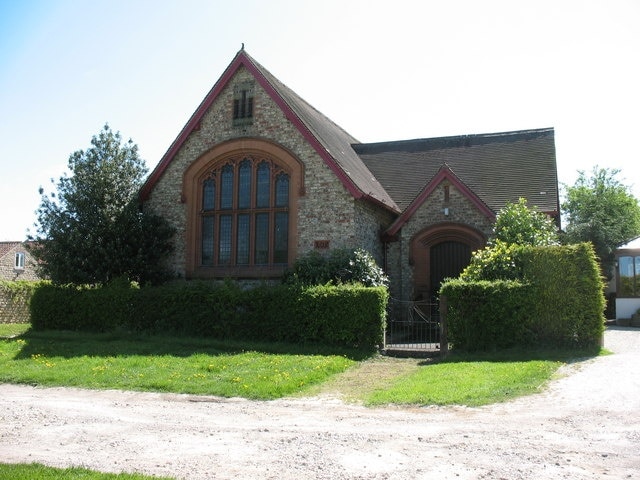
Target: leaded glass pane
[263,185]
[282,190]
[242,249]
[207,240]
[208,194]
[262,238]
[226,187]
[281,238]
[244,184]
[224,245]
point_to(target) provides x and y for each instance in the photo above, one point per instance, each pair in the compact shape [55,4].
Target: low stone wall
[14,302]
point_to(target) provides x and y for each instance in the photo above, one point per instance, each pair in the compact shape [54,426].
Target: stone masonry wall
[326,211]
[370,222]
[7,265]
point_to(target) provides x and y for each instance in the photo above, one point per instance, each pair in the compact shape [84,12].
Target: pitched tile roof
[497,167]
[331,142]
[6,247]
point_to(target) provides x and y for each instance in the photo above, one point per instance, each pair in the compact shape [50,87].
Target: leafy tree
[91,230]
[600,209]
[518,224]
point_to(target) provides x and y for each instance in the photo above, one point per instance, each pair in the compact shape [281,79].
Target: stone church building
[258,177]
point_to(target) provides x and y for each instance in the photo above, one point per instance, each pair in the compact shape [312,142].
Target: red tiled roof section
[497,167]
[6,247]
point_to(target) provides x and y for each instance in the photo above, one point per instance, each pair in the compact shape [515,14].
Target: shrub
[556,299]
[569,293]
[339,267]
[83,307]
[516,223]
[500,261]
[339,315]
[488,315]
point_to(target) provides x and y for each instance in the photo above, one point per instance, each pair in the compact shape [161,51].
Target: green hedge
[345,315]
[15,297]
[569,294]
[486,315]
[557,300]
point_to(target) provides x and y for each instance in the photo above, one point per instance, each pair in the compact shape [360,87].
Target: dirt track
[586,425]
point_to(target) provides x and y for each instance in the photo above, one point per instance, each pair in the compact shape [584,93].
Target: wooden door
[447,260]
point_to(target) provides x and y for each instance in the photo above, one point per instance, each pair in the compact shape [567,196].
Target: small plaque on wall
[321,244]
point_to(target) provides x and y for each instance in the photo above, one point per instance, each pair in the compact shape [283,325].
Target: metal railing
[415,326]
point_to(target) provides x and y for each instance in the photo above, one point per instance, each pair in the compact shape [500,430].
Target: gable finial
[242,48]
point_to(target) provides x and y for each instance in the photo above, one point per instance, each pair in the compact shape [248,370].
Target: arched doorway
[447,260]
[441,251]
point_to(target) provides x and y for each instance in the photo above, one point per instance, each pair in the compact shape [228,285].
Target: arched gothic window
[244,215]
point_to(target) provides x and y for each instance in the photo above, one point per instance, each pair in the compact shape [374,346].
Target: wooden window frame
[233,153]
[241,203]
[20,261]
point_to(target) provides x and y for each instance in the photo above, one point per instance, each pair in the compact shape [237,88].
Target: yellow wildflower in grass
[41,359]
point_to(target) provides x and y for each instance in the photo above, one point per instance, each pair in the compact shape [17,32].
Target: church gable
[447,192]
[329,141]
[246,188]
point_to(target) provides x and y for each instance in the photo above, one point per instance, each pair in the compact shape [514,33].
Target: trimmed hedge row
[557,300]
[487,314]
[345,315]
[568,290]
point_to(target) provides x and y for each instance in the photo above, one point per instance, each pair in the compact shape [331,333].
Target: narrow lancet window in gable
[243,104]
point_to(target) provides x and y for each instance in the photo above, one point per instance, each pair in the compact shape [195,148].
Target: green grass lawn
[34,471]
[269,371]
[162,364]
[476,379]
[12,329]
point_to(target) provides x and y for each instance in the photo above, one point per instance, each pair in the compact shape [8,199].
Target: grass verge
[13,329]
[35,471]
[476,379]
[254,371]
[180,365]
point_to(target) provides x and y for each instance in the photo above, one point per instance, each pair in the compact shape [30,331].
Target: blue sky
[382,70]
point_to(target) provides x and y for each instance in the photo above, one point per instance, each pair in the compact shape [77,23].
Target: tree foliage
[519,224]
[91,230]
[600,209]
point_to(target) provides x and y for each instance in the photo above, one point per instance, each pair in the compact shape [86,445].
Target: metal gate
[413,327]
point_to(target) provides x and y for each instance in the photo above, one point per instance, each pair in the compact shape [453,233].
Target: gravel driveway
[586,425]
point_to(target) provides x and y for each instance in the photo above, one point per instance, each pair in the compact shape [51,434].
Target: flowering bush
[339,267]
